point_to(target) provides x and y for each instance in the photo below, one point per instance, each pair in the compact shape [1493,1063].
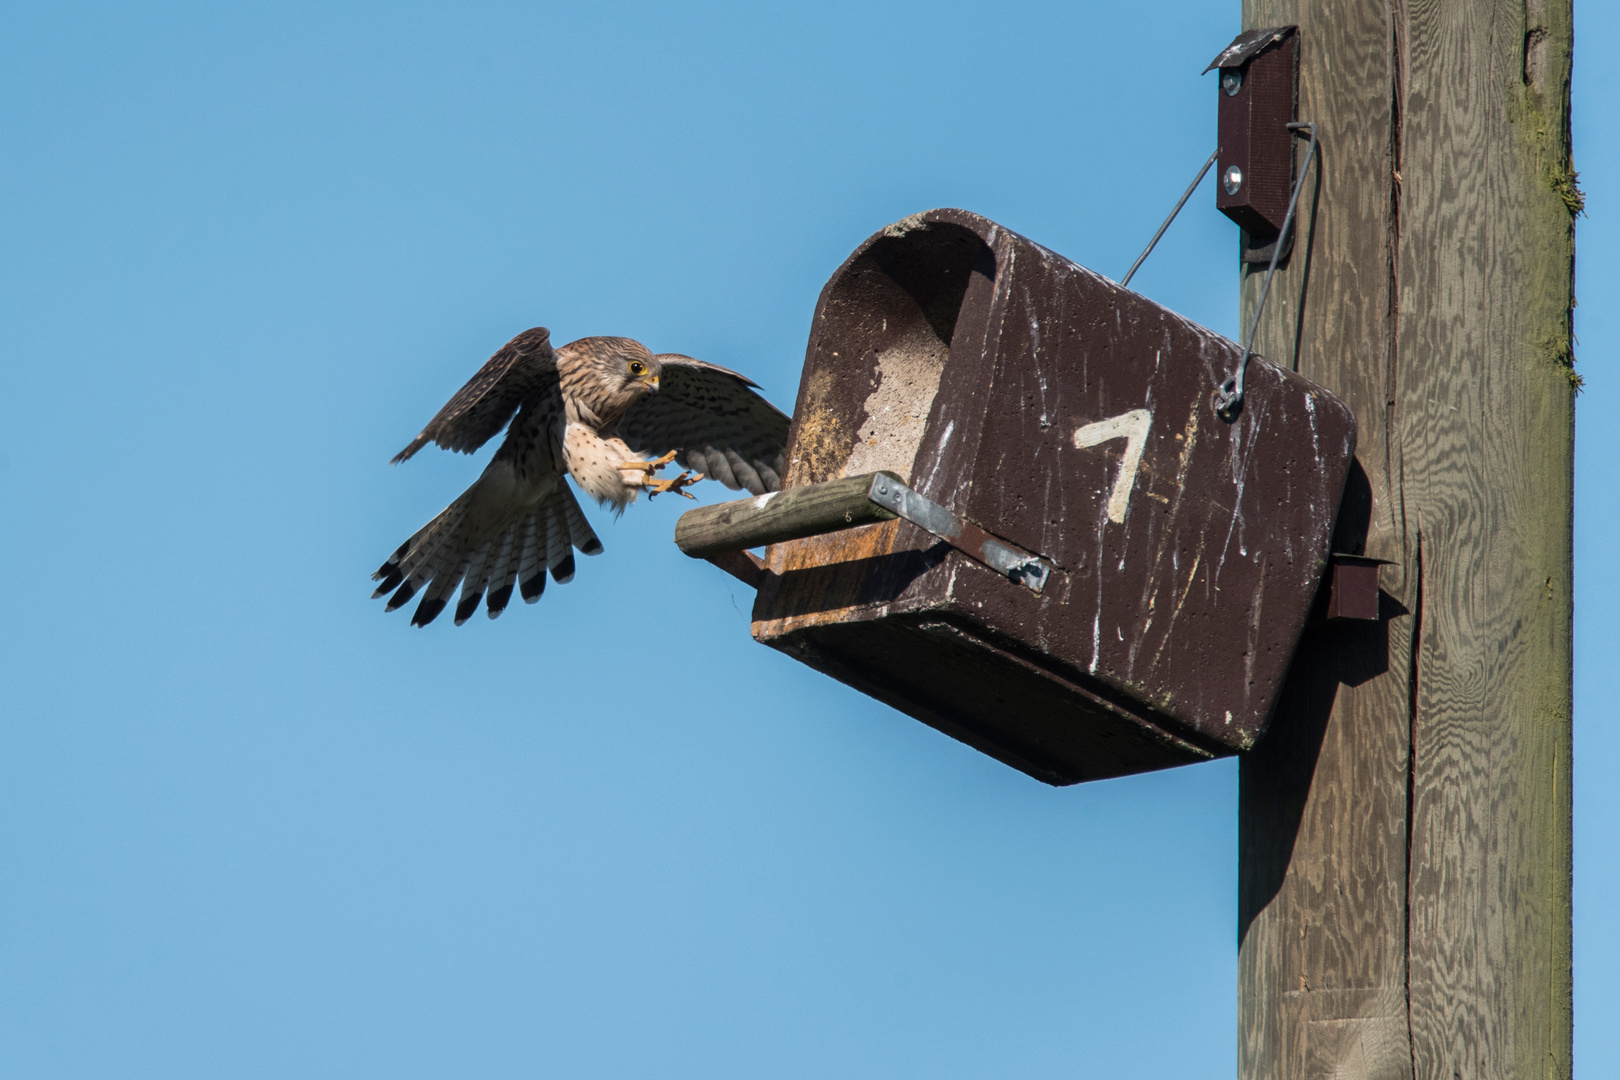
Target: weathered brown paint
[967,359]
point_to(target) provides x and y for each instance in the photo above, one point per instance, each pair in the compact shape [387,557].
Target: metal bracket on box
[1259,97]
[1349,590]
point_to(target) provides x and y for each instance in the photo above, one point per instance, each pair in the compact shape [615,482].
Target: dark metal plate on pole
[1258,96]
[1071,420]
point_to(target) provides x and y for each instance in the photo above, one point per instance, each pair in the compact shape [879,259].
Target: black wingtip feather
[593,546]
[468,605]
[498,599]
[391,576]
[532,588]
[427,611]
[401,598]
[563,572]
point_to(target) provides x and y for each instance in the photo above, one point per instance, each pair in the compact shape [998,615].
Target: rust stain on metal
[1042,402]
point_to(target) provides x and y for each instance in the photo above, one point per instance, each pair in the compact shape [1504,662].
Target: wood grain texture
[812,510]
[1322,971]
[1404,836]
[1485,257]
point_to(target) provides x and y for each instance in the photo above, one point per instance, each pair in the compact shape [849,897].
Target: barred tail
[487,542]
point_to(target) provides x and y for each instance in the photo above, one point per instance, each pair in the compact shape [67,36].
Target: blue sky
[250,826]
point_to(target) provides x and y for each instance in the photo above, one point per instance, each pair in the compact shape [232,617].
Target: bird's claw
[648,467]
[677,485]
[654,486]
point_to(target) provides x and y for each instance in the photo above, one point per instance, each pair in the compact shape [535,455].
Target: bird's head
[641,370]
[605,375]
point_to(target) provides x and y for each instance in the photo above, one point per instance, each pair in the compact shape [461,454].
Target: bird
[605,411]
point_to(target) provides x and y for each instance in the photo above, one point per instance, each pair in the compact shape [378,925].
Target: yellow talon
[677,485]
[648,467]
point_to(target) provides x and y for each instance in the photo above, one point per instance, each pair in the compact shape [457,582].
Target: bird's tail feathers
[487,557]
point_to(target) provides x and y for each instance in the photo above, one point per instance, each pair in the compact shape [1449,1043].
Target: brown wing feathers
[512,527]
[518,371]
[716,421]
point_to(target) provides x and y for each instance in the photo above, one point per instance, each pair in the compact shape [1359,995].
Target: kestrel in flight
[603,410]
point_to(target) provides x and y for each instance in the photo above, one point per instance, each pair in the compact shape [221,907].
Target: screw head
[1232,179]
[1231,81]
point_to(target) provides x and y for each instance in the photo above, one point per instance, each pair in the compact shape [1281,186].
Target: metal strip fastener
[1013,563]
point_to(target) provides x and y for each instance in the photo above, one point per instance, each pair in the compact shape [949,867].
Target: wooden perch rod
[781,515]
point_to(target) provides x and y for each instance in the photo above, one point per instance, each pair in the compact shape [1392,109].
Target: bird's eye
[637,367]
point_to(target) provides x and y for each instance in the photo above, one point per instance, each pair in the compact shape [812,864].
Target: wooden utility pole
[1405,829]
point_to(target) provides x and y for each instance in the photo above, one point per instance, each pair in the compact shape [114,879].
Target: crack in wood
[1414,661]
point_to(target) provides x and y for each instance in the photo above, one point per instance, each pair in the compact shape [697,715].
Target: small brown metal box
[1255,167]
[1072,418]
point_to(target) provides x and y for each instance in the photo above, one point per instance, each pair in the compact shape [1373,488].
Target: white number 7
[1133,428]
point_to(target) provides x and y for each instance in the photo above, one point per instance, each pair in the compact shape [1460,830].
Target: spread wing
[714,419]
[524,367]
[517,521]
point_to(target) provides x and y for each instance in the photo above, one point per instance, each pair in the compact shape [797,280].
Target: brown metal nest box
[1066,423]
